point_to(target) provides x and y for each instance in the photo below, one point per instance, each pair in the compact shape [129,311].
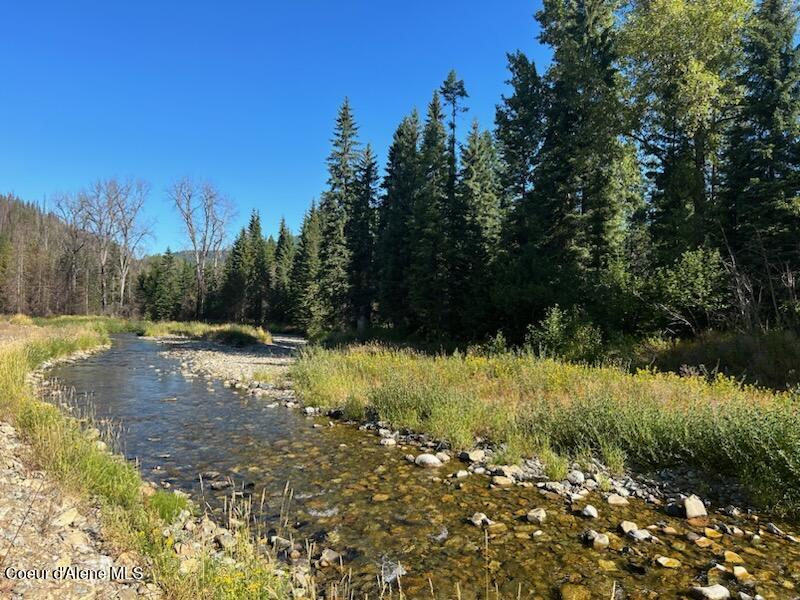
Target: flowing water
[367,502]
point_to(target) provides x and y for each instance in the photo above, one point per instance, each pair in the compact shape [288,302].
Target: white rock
[389,441]
[576,477]
[712,592]
[617,500]
[590,511]
[537,515]
[695,508]
[427,460]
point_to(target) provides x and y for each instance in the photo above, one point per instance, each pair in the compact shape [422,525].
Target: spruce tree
[237,269]
[761,211]
[575,213]
[519,120]
[360,234]
[428,276]
[308,303]
[257,282]
[395,237]
[334,212]
[281,284]
[480,194]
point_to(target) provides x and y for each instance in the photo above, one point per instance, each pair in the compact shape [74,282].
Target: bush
[564,335]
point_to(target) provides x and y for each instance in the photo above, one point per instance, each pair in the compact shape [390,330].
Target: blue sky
[243,94]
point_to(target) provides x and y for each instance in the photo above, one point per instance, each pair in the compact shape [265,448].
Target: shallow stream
[367,502]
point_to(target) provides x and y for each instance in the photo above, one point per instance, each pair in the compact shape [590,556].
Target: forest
[644,183]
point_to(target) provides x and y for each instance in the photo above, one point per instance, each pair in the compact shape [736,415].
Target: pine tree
[236,271]
[395,240]
[257,279]
[282,281]
[428,273]
[334,212]
[761,211]
[480,194]
[360,234]
[519,121]
[308,304]
[575,213]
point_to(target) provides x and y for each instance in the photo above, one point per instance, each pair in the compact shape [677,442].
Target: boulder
[428,461]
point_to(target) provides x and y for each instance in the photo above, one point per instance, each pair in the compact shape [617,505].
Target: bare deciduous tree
[100,202]
[205,214]
[130,231]
[71,210]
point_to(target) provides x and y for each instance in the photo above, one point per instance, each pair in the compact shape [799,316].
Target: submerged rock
[428,461]
[590,512]
[537,515]
[711,592]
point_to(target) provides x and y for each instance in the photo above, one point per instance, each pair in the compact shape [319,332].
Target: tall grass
[232,334]
[134,520]
[535,404]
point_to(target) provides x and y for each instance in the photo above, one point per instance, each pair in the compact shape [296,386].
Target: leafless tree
[71,209]
[129,229]
[205,214]
[101,200]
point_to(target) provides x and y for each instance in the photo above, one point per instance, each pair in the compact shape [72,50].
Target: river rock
[473,456]
[590,512]
[502,481]
[694,509]
[627,526]
[640,535]
[576,477]
[617,500]
[712,592]
[428,461]
[328,557]
[774,529]
[443,456]
[667,562]
[389,441]
[461,474]
[479,519]
[537,515]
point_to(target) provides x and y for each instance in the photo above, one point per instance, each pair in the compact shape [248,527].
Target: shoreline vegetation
[558,410]
[134,514]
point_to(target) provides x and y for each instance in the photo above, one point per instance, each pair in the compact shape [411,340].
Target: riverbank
[591,508]
[138,524]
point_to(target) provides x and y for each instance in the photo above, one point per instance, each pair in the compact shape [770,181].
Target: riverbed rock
[389,441]
[590,512]
[479,519]
[694,508]
[627,526]
[443,456]
[461,474]
[429,461]
[616,500]
[329,557]
[667,562]
[712,592]
[537,515]
[576,477]
[473,456]
[502,481]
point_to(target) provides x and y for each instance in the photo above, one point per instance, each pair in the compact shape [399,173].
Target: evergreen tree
[574,216]
[334,211]
[282,281]
[761,210]
[257,280]
[428,275]
[237,269]
[395,239]
[519,123]
[308,304]
[479,192]
[360,234]
[453,92]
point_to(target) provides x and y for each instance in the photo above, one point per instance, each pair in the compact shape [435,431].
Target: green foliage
[565,334]
[280,293]
[307,302]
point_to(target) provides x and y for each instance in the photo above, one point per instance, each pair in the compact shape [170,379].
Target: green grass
[231,334]
[132,520]
[560,409]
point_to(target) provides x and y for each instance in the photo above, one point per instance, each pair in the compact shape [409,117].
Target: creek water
[367,502]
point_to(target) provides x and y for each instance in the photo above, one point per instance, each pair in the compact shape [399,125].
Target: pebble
[667,562]
[389,441]
[590,512]
[576,477]
[473,456]
[479,519]
[502,481]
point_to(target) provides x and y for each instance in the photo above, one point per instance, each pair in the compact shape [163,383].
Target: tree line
[646,181]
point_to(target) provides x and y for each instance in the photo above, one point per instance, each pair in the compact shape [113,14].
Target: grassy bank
[558,409]
[132,518]
[232,334]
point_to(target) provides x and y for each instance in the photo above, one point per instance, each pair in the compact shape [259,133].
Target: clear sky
[243,94]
